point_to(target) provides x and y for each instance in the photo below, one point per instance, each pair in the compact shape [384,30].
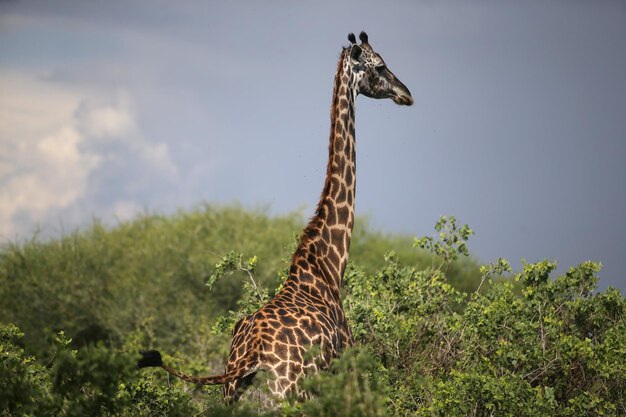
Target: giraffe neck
[326,240]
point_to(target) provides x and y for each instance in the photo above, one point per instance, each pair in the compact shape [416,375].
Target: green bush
[353,386]
[102,284]
[437,335]
[25,383]
[76,383]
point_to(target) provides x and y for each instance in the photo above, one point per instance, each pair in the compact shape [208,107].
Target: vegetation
[437,334]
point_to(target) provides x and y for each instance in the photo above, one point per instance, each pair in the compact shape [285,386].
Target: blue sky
[518,128]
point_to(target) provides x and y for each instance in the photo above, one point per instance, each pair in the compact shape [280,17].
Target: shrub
[427,345]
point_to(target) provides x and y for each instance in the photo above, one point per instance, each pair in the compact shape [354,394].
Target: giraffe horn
[363,37]
[352,38]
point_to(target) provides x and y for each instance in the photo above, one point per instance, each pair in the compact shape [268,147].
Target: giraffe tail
[152,358]
[149,358]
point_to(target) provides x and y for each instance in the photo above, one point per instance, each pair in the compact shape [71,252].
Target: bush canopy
[437,334]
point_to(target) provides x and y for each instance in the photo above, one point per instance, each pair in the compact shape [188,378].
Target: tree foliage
[436,334]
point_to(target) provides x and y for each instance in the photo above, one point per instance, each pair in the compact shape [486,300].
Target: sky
[110,109]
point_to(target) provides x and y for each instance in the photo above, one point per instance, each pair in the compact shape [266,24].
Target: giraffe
[307,311]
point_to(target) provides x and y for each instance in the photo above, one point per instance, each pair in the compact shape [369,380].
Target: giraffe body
[307,312]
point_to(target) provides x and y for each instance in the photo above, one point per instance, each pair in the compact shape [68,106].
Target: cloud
[107,121]
[67,154]
[126,210]
[42,165]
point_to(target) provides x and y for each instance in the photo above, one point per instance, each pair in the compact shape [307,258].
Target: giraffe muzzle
[403,100]
[401,94]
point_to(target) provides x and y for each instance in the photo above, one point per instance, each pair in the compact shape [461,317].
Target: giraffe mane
[310,230]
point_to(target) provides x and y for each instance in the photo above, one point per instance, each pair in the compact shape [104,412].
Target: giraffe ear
[355,52]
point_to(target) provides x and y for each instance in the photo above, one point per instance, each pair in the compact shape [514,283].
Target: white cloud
[51,173]
[108,121]
[56,144]
[42,166]
[126,210]
[111,120]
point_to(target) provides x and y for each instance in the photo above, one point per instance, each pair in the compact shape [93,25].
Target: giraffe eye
[381,68]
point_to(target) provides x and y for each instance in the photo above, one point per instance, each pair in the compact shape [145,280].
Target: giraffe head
[372,77]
